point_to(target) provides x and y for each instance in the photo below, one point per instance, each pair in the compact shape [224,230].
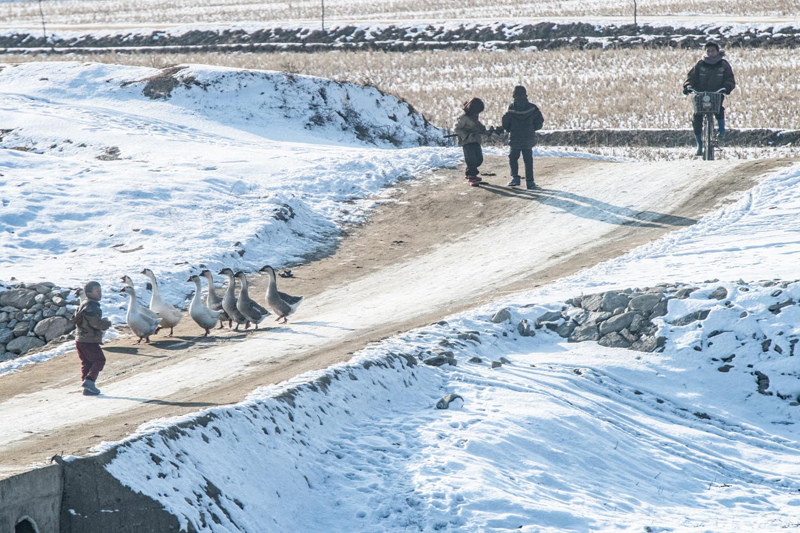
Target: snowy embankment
[554,436]
[106,170]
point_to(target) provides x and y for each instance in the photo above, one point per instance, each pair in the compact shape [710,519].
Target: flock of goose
[145,322]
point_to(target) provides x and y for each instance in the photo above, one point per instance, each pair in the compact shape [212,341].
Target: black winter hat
[520,92]
[711,44]
[474,107]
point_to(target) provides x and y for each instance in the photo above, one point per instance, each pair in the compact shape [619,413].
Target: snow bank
[107,169]
[551,436]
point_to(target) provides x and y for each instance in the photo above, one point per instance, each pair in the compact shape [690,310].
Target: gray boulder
[720,293]
[616,323]
[445,402]
[660,309]
[613,300]
[22,345]
[550,316]
[19,298]
[566,329]
[52,328]
[42,288]
[59,301]
[593,302]
[645,303]
[588,332]
[21,329]
[6,335]
[524,329]
[691,317]
[439,360]
[614,340]
[503,315]
[638,324]
[685,292]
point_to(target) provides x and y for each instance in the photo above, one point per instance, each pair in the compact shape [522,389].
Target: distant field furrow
[628,89]
[207,11]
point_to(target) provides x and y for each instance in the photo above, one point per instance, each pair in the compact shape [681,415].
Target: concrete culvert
[26,525]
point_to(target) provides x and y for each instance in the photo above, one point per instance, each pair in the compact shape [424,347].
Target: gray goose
[229,301]
[252,311]
[281,303]
[213,301]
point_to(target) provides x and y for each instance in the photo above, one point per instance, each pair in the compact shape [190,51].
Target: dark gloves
[495,130]
[687,89]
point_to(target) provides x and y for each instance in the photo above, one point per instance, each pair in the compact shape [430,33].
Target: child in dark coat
[469,129]
[90,324]
[521,121]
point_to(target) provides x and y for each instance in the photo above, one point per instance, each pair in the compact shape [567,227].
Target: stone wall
[34,316]
[399,38]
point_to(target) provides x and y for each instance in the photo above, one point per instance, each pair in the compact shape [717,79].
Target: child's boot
[89,388]
[530,184]
[514,181]
[721,130]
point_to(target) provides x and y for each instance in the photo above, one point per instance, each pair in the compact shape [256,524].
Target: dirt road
[438,248]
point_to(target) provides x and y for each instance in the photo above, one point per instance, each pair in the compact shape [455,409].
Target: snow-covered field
[118,12]
[235,168]
[626,89]
[561,437]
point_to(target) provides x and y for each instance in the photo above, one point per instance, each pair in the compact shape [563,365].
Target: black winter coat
[521,121]
[705,77]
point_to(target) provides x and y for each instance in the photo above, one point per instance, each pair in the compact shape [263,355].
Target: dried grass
[625,89]
[150,12]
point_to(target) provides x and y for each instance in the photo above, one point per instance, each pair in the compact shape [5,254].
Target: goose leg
[139,341]
[157,330]
[247,325]
[147,340]
[207,332]
[170,332]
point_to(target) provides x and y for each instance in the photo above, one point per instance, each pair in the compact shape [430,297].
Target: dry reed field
[148,12]
[626,89]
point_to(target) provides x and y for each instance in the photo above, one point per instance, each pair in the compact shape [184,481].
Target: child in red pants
[90,324]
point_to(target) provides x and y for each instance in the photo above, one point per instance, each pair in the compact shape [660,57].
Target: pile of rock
[617,319]
[33,315]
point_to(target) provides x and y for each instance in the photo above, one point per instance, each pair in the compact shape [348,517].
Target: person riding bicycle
[710,74]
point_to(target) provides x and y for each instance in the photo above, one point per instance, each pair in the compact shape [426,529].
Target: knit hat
[711,44]
[520,92]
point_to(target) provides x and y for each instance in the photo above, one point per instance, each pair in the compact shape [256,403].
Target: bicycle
[707,104]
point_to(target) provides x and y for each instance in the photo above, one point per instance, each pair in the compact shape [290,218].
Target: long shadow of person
[590,208]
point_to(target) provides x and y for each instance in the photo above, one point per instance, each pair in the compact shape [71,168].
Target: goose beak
[122,279]
[144,272]
[191,278]
[122,290]
[265,268]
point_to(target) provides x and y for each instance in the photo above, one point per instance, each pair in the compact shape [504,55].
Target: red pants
[92,359]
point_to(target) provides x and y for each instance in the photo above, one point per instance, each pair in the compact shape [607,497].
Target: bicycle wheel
[708,134]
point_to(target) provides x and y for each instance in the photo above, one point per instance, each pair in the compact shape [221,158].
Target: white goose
[253,312]
[229,301]
[202,315]
[213,300]
[170,315]
[145,311]
[141,324]
[281,303]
